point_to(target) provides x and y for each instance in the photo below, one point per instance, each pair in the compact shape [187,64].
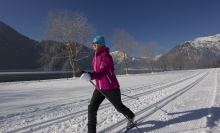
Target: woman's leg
[115,98]
[95,102]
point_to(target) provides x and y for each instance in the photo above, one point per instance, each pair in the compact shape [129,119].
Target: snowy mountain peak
[206,42]
[134,59]
[117,54]
[157,57]
[199,48]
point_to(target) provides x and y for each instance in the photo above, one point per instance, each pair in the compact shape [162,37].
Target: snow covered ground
[178,101]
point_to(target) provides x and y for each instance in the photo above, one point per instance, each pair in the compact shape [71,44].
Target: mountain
[133,62]
[17,51]
[20,52]
[199,48]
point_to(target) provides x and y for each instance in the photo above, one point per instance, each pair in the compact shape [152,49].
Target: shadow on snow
[211,114]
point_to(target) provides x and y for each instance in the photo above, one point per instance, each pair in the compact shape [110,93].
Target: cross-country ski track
[169,102]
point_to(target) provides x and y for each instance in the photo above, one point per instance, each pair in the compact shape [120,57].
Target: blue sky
[164,22]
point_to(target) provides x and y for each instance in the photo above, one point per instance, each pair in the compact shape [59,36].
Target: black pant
[115,98]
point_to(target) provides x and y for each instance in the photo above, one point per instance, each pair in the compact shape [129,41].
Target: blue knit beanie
[100,40]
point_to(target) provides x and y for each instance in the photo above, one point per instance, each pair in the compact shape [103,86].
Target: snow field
[179,101]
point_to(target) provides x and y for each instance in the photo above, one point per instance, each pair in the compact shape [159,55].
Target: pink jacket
[104,70]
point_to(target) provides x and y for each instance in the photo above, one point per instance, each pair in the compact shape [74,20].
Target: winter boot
[130,123]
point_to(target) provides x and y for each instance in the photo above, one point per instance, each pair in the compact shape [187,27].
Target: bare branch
[69,33]
[125,43]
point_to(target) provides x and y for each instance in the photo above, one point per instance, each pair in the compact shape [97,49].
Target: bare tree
[125,43]
[143,63]
[69,32]
[193,63]
[116,56]
[186,63]
[164,59]
[148,50]
[179,61]
[214,63]
[171,60]
[203,63]
[189,63]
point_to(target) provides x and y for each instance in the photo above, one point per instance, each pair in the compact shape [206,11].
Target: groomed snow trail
[181,101]
[192,111]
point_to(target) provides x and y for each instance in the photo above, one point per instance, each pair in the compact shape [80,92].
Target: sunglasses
[95,43]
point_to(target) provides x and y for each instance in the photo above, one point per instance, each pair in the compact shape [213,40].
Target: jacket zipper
[100,86]
[110,72]
[95,62]
[109,79]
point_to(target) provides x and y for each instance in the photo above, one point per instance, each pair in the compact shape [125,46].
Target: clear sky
[164,22]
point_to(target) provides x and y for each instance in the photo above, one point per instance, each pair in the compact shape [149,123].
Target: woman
[106,81]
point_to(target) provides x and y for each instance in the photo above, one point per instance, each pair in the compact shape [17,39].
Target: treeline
[214,64]
[170,62]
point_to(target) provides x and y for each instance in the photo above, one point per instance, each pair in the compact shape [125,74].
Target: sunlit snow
[169,102]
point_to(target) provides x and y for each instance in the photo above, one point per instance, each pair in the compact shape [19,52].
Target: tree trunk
[180,67]
[151,68]
[126,68]
[74,68]
[126,65]
[165,68]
